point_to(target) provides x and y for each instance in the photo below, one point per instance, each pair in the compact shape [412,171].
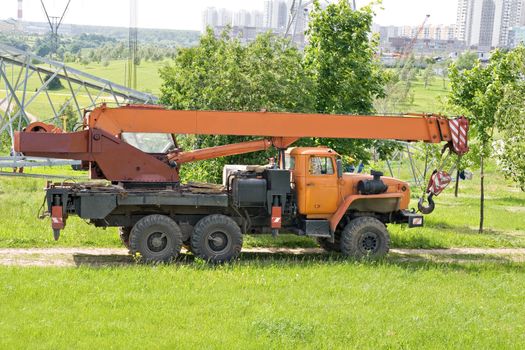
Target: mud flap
[57,221]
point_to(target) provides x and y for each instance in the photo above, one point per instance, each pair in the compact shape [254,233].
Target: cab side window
[321,166]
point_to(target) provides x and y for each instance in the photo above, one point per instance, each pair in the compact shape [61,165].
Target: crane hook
[429,208]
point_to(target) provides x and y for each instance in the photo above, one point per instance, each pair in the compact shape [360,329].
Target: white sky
[186,14]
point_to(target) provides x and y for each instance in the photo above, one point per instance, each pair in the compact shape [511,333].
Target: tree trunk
[482,195]
[457,184]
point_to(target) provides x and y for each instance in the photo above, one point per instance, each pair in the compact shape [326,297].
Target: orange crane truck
[134,148]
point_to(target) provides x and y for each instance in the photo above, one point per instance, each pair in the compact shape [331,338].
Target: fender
[343,207]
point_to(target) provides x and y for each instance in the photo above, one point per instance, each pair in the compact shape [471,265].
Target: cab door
[321,186]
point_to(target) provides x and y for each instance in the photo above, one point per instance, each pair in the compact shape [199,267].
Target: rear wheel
[157,238]
[216,238]
[365,237]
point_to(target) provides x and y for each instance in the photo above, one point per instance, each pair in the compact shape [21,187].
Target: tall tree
[428,74]
[484,93]
[511,118]
[341,58]
[339,73]
[222,74]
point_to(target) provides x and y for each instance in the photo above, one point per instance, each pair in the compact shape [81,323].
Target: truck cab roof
[318,151]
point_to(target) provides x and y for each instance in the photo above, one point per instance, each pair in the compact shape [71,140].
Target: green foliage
[398,93]
[491,96]
[342,59]
[467,60]
[338,74]
[222,74]
[54,84]
[510,118]
[69,115]
[340,56]
[428,75]
[484,93]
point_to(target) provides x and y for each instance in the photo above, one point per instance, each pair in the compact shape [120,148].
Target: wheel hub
[217,241]
[369,242]
[157,242]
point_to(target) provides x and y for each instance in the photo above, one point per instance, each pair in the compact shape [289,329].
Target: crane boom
[149,119]
[111,158]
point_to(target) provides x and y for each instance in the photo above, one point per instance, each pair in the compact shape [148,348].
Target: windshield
[149,142]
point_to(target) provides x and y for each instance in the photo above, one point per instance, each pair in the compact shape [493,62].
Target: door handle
[310,184]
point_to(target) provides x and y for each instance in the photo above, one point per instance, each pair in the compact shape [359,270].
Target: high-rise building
[298,15]
[486,23]
[20,8]
[516,36]
[210,18]
[461,19]
[242,18]
[275,14]
[258,19]
[224,17]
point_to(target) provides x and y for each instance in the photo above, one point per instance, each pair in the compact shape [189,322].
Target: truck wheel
[365,237]
[329,246]
[216,238]
[124,233]
[157,238]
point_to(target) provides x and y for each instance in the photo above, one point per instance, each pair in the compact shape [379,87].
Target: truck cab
[323,191]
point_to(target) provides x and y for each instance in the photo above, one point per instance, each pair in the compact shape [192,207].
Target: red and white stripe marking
[439,181]
[458,131]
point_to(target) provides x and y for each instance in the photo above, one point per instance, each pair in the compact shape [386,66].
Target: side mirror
[339,164]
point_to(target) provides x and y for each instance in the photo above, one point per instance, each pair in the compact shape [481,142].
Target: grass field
[452,224]
[303,304]
[429,99]
[148,81]
[275,302]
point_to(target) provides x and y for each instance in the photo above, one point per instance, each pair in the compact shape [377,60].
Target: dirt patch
[63,257]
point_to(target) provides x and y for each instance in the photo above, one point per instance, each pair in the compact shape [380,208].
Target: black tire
[157,238]
[217,239]
[329,246]
[124,233]
[365,237]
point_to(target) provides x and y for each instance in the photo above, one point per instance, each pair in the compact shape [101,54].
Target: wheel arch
[379,203]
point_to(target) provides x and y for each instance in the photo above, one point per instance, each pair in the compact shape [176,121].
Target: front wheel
[216,238]
[365,237]
[157,238]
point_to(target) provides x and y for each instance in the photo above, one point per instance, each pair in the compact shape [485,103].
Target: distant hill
[161,36]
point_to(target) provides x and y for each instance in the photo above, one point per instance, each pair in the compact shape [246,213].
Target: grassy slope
[265,304]
[148,80]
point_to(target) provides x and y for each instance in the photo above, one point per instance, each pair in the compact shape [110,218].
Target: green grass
[303,304]
[429,99]
[453,224]
[148,80]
